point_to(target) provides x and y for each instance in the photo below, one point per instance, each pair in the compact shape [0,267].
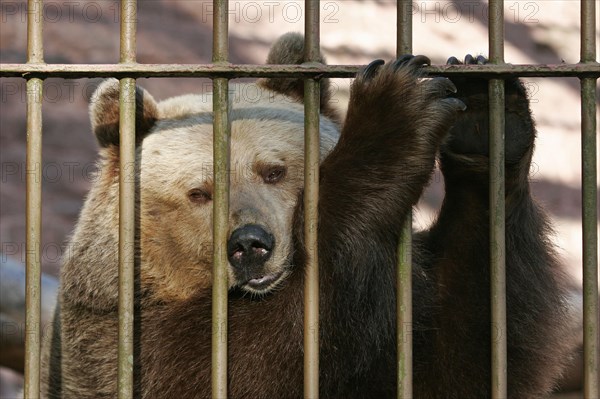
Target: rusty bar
[311,203]
[75,71]
[589,203]
[33,212]
[497,206]
[221,156]
[404,263]
[127,177]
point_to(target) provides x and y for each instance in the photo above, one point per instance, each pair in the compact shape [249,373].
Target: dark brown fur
[369,183]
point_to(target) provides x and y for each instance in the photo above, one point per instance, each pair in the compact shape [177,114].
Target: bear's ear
[104,113]
[289,49]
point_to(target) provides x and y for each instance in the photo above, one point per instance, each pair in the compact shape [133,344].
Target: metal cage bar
[404,325]
[127,194]
[588,70]
[589,202]
[590,236]
[497,205]
[74,71]
[311,202]
[33,218]
[221,163]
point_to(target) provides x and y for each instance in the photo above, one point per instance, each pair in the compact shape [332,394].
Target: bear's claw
[410,60]
[371,70]
[455,103]
[444,83]
[453,61]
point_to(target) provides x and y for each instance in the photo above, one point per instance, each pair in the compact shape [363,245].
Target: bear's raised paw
[397,98]
[469,136]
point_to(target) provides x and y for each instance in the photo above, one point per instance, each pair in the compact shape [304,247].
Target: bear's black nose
[249,246]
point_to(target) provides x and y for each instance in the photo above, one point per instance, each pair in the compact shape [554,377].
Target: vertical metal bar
[127,187]
[127,178]
[497,205]
[404,312]
[590,236]
[497,239]
[589,203]
[33,218]
[311,198]
[588,30]
[404,27]
[35,44]
[221,140]
[404,266]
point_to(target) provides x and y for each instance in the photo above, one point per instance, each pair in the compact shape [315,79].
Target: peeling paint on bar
[75,71]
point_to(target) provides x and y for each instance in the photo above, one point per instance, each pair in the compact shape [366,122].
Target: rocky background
[352,32]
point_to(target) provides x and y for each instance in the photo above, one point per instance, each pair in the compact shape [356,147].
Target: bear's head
[174,176]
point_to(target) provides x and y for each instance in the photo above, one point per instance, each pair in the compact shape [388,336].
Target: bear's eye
[274,174]
[199,196]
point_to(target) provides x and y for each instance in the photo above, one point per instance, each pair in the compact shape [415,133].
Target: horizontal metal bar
[73,71]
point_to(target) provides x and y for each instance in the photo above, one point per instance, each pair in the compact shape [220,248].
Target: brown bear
[373,170]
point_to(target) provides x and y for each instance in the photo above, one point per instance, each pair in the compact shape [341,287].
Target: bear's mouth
[262,283]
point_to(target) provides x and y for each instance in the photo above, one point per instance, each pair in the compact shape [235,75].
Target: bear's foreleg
[459,243]
[369,182]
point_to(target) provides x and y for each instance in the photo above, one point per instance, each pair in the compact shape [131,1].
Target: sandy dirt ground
[352,32]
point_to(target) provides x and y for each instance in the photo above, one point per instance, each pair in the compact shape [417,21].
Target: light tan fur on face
[177,157]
